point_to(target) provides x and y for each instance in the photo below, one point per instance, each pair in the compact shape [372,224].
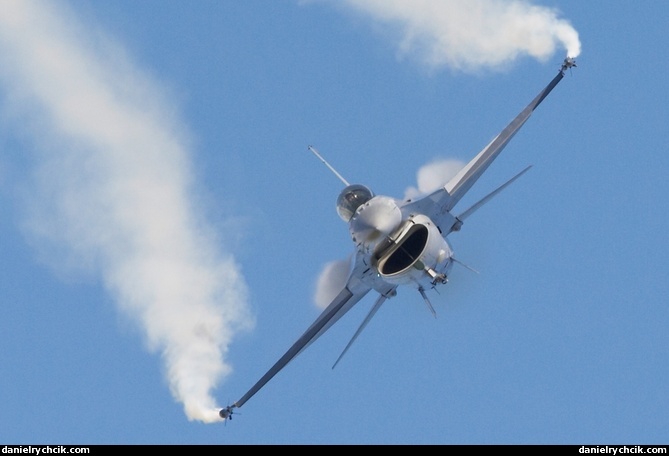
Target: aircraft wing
[446,197]
[353,292]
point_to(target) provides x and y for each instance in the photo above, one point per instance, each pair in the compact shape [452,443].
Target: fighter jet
[401,242]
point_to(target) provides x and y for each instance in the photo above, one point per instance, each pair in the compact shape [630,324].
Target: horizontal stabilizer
[372,312]
[490,196]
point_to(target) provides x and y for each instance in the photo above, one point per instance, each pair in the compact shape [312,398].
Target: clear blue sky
[158,200]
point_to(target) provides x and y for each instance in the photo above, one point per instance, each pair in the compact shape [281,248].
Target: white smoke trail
[114,190]
[471,34]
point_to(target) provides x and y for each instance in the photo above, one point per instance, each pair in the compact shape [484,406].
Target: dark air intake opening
[407,252]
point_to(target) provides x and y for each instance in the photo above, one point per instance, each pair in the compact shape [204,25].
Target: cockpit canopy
[351,198]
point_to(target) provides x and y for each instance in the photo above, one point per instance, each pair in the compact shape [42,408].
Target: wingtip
[569,62]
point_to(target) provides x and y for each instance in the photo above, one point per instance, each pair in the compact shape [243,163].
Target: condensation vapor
[470,35]
[113,190]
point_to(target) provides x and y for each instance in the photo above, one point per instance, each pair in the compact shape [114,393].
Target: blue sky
[164,225]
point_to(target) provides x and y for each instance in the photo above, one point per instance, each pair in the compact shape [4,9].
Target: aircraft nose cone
[374,219]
